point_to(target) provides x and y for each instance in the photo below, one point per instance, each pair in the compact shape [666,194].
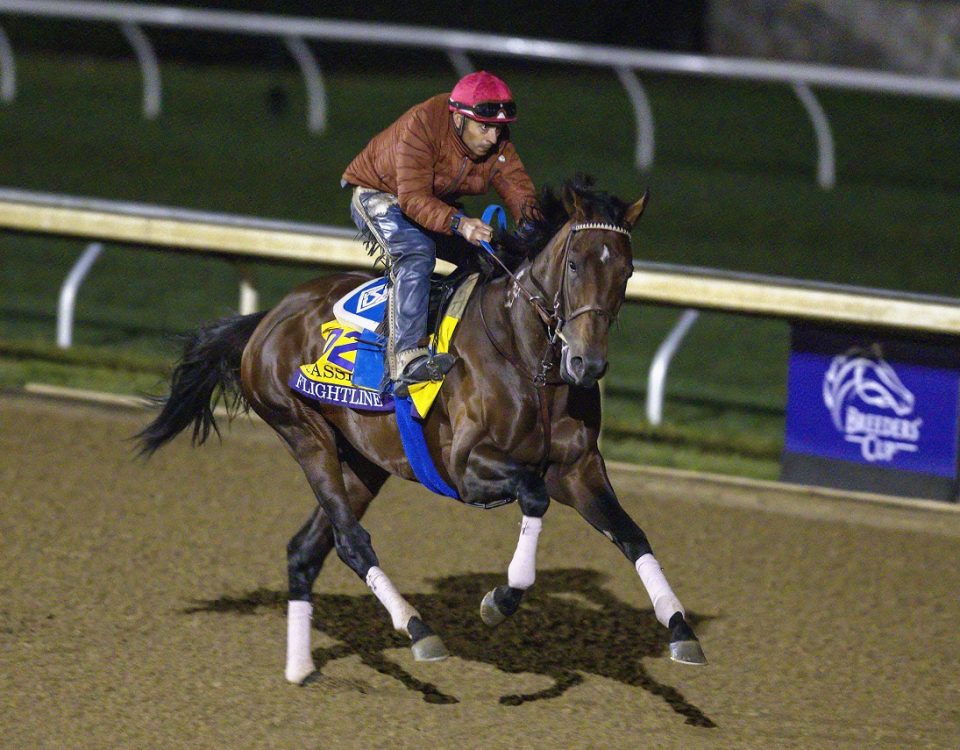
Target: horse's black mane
[540,224]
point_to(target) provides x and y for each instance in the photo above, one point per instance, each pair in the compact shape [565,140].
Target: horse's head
[584,271]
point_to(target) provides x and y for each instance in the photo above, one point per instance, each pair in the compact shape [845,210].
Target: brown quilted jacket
[421,160]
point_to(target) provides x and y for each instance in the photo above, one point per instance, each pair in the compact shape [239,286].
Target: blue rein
[491,213]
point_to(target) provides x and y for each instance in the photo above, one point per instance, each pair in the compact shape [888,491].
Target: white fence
[242,239]
[458,45]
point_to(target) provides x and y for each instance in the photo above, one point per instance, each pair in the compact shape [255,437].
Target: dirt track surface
[141,606]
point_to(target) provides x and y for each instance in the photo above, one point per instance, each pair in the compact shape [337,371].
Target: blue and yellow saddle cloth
[351,366]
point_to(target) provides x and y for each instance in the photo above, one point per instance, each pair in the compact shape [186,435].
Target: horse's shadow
[567,624]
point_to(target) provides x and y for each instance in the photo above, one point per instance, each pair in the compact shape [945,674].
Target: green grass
[733,187]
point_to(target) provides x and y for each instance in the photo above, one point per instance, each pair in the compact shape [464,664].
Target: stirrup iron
[423,369]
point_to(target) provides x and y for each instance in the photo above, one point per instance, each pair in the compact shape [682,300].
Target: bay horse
[518,416]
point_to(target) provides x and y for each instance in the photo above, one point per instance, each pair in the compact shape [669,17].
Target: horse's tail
[208,370]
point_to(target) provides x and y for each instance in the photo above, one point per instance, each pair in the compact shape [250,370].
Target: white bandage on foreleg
[523,567]
[400,611]
[299,659]
[665,602]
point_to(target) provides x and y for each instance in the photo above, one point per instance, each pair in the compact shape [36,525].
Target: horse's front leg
[531,494]
[585,486]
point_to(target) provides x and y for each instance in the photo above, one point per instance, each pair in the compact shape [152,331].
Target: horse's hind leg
[306,553]
[586,487]
[318,456]
[503,601]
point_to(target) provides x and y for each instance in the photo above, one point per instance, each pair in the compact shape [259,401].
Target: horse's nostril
[576,364]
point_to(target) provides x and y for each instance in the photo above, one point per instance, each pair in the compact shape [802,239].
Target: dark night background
[676,25]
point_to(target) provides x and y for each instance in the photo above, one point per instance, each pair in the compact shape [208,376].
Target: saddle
[352,371]
[365,306]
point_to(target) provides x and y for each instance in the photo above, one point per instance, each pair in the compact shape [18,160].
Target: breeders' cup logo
[372,297]
[858,388]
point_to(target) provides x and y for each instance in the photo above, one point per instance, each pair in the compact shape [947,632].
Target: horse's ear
[635,211]
[573,204]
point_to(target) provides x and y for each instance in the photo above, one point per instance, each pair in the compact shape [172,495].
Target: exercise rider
[407,181]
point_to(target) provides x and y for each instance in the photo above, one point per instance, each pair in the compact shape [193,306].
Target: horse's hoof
[314,676]
[684,646]
[499,604]
[687,652]
[489,611]
[430,648]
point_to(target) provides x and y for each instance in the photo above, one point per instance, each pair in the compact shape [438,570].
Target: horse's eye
[572,266]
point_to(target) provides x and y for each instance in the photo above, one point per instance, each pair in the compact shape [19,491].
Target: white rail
[67,301]
[457,45]
[657,376]
[316,93]
[148,65]
[243,238]
[436,38]
[8,70]
[826,170]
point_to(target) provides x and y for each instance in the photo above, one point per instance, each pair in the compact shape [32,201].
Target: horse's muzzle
[580,370]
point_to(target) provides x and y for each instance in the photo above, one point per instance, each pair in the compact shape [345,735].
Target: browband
[597,225]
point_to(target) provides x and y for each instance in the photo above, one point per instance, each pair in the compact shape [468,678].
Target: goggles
[489,110]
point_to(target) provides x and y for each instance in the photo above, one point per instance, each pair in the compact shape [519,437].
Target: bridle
[556,317]
[559,315]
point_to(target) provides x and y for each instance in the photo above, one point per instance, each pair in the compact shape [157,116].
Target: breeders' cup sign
[886,404]
[861,377]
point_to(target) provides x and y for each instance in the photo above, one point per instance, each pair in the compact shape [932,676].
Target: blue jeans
[413,254]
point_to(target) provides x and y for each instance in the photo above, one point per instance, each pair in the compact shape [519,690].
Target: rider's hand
[474,230]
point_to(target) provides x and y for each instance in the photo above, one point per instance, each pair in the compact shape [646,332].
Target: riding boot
[407,311]
[411,361]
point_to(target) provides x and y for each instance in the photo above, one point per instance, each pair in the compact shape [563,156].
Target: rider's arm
[416,154]
[513,184]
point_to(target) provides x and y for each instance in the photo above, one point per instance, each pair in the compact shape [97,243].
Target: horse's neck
[519,333]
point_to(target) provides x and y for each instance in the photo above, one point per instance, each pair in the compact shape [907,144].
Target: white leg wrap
[299,659]
[523,567]
[400,611]
[665,602]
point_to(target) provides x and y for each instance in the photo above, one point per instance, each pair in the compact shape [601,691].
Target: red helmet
[483,97]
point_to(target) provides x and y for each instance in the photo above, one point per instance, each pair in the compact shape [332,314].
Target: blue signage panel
[885,403]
